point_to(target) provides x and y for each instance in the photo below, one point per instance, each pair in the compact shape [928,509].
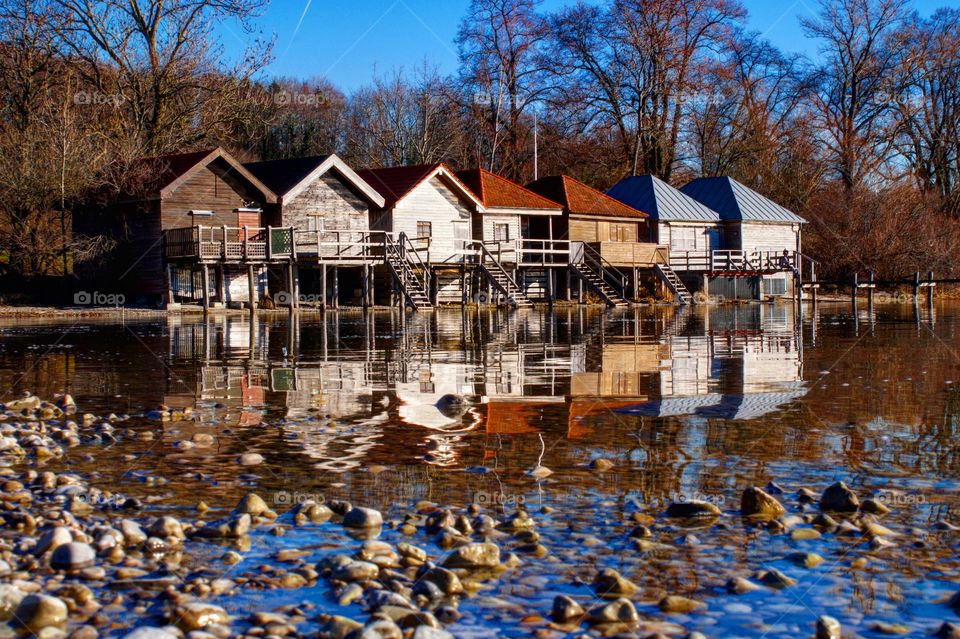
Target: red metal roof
[497,191]
[579,199]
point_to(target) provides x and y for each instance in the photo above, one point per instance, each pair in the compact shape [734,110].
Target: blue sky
[348,42]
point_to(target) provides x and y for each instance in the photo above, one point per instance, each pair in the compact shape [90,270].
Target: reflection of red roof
[508,418]
[496,191]
[395,183]
[584,408]
[579,199]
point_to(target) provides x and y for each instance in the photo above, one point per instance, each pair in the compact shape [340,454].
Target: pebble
[250,459]
[601,465]
[692,508]
[805,559]
[150,632]
[840,498]
[610,583]
[565,608]
[828,628]
[474,555]
[754,502]
[676,603]
[619,611]
[36,612]
[195,615]
[72,556]
[363,518]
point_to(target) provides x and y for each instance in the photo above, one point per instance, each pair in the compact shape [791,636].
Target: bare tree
[856,96]
[503,70]
[159,59]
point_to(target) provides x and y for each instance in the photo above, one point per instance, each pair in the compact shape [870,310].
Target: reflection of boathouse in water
[337,385]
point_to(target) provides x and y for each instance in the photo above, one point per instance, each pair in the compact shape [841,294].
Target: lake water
[387,411]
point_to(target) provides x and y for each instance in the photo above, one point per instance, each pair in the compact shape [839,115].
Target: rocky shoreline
[80,562]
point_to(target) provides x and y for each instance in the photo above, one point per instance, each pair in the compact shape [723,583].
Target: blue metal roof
[736,202]
[662,201]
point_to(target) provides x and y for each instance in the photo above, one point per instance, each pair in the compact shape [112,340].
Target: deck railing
[544,252]
[733,261]
[231,243]
[338,246]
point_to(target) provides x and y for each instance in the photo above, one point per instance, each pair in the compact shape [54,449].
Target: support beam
[251,289]
[336,287]
[323,286]
[205,279]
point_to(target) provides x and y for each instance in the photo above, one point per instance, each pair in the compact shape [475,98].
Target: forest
[863,140]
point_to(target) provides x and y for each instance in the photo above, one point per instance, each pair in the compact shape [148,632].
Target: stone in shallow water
[37,612]
[619,611]
[676,603]
[195,615]
[805,559]
[740,585]
[337,627]
[775,579]
[250,459]
[72,556]
[828,628]
[874,506]
[10,598]
[565,609]
[362,518]
[610,583]
[840,498]
[476,555]
[693,508]
[52,538]
[754,502]
[252,504]
[885,628]
[948,630]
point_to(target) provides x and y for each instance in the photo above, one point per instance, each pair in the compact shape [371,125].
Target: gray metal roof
[659,199]
[736,202]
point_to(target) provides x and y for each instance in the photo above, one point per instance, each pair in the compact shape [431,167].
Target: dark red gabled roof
[579,199]
[160,171]
[394,183]
[496,191]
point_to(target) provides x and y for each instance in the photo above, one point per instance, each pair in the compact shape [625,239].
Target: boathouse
[761,252]
[606,239]
[512,217]
[428,212]
[177,195]
[328,207]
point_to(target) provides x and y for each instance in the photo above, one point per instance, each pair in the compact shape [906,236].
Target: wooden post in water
[205,279]
[930,285]
[222,285]
[252,290]
[463,284]
[916,287]
[853,289]
[870,292]
[335,303]
[323,286]
[365,286]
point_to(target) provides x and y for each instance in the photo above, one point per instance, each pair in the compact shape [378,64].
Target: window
[621,233]
[461,230]
[683,239]
[315,223]
[501,232]
[424,229]
[775,286]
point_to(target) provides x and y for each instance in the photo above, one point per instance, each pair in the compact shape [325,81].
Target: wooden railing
[338,246]
[229,243]
[544,252]
[733,261]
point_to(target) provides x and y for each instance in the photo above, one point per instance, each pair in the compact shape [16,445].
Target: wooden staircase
[397,255]
[595,281]
[675,284]
[501,279]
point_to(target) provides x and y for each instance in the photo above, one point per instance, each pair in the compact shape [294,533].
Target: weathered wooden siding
[329,198]
[583,230]
[210,189]
[756,236]
[435,202]
[483,229]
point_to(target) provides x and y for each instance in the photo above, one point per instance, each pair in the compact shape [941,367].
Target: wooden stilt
[170,293]
[365,285]
[205,280]
[222,285]
[323,286]
[251,289]
[335,303]
[464,295]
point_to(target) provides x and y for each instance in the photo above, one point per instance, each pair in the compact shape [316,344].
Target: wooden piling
[930,285]
[205,278]
[323,286]
[335,302]
[854,287]
[251,289]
